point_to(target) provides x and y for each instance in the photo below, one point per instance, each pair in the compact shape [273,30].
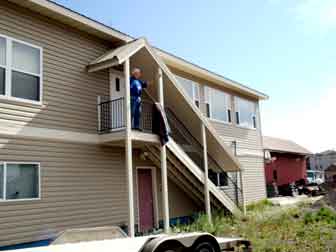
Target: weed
[274,229]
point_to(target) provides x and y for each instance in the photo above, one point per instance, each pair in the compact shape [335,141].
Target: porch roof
[176,98]
[116,56]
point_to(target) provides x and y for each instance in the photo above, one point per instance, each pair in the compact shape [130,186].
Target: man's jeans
[135,111]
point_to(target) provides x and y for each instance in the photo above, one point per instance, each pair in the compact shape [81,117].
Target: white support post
[163,155]
[206,172]
[242,190]
[128,150]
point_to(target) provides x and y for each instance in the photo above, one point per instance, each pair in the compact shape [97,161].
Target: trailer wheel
[205,246]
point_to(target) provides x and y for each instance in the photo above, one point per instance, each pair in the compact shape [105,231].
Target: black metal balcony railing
[111,115]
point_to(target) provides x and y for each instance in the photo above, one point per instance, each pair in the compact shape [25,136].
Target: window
[19,181]
[2,65]
[117,84]
[245,113]
[218,178]
[218,104]
[20,70]
[191,88]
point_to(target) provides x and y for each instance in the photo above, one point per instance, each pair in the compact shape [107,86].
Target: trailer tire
[205,246]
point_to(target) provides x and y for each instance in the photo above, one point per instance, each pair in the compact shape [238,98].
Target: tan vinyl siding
[180,203]
[249,141]
[254,178]
[81,186]
[69,92]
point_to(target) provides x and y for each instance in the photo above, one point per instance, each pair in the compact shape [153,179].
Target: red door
[145,191]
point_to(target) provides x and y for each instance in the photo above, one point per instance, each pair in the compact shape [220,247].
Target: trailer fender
[179,241]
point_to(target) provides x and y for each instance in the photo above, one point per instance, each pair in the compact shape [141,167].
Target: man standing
[136,86]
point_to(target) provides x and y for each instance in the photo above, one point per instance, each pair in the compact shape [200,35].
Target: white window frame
[3,196]
[237,109]
[195,87]
[207,99]
[218,181]
[9,68]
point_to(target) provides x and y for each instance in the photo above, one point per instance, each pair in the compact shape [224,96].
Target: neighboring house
[321,161]
[285,161]
[318,163]
[330,173]
[68,157]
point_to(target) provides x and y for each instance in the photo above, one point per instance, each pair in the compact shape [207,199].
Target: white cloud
[317,14]
[313,125]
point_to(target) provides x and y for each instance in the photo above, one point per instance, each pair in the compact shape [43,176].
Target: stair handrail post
[206,175]
[163,157]
[128,150]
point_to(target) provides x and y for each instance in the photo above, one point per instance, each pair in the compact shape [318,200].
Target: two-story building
[68,155]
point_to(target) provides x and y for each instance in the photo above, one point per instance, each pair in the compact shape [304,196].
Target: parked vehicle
[114,239]
[313,189]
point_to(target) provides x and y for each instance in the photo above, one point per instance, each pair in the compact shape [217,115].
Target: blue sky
[284,48]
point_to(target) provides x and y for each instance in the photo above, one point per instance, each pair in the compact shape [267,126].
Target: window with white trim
[245,113]
[20,70]
[19,181]
[220,179]
[191,88]
[218,104]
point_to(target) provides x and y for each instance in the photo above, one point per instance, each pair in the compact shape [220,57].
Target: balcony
[111,120]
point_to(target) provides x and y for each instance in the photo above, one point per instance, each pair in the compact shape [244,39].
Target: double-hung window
[218,104]
[245,113]
[20,70]
[191,88]
[19,181]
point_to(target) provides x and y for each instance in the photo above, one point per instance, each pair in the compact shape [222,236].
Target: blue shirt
[137,86]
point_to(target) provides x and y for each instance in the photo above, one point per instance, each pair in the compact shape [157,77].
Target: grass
[275,229]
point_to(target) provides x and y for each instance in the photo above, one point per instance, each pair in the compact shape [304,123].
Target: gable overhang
[74,19]
[116,56]
[175,98]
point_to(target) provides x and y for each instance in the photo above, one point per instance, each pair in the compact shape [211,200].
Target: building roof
[283,146]
[79,21]
[327,152]
[331,167]
[203,73]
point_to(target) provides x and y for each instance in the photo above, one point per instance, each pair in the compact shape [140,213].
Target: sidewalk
[285,201]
